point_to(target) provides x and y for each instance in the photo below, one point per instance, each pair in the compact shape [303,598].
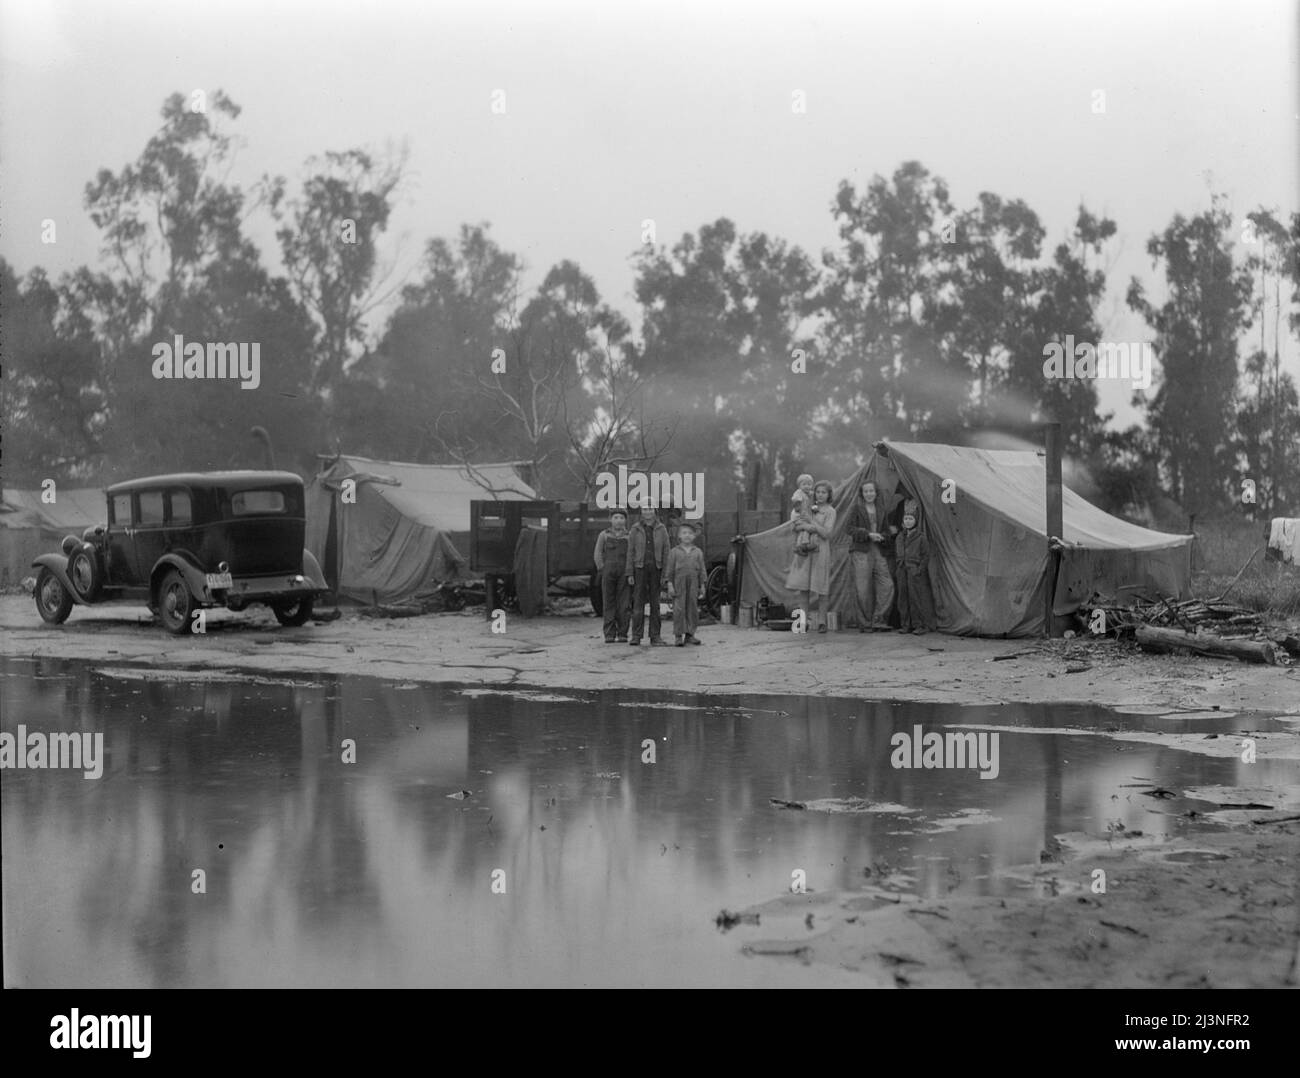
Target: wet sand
[1210,911]
[569,652]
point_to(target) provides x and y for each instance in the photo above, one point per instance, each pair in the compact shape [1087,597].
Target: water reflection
[321,872]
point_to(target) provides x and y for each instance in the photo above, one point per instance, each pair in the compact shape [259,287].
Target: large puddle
[494,838]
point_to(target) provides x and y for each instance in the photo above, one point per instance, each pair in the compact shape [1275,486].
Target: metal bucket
[832,621]
[746,615]
[724,615]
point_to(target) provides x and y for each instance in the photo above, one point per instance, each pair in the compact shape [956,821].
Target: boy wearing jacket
[912,583]
[648,549]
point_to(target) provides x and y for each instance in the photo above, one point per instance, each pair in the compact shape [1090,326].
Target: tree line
[750,359]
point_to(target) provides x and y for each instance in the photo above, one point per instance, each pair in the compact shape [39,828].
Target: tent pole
[1055,521]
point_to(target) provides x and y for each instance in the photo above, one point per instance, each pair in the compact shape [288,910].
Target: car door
[182,531]
[119,559]
[150,531]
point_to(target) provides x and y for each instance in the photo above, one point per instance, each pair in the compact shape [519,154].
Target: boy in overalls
[685,585]
[613,569]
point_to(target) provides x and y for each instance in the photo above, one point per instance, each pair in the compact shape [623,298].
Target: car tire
[295,613]
[53,601]
[175,603]
[596,593]
[83,572]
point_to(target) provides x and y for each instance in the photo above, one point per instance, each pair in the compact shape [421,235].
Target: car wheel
[83,571]
[175,603]
[53,602]
[295,613]
[596,593]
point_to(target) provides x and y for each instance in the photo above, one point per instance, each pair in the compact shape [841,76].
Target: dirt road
[569,652]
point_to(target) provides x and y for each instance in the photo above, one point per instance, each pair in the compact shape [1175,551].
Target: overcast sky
[678,112]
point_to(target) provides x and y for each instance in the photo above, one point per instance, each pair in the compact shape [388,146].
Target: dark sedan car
[187,541]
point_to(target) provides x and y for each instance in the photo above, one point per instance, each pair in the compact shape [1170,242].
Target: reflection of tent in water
[408,527]
[30,527]
[988,540]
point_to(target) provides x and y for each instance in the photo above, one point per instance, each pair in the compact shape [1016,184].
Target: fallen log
[1152,638]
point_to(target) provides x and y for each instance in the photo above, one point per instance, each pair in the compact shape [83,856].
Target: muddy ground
[1214,906]
[569,652]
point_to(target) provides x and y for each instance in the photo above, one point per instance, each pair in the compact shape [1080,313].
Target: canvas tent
[408,529]
[30,527]
[988,540]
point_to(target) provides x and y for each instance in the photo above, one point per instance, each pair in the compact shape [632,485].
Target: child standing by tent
[614,569]
[685,585]
[912,584]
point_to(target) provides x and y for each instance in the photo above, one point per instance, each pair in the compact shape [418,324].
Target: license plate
[219,580]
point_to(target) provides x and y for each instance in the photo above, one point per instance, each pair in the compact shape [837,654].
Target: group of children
[632,564]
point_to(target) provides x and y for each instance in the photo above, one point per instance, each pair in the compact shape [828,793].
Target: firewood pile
[1210,627]
[1190,615]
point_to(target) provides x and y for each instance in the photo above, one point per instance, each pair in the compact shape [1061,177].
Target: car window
[121,509]
[181,507]
[151,507]
[257,501]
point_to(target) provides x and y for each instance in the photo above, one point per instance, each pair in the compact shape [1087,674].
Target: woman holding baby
[809,573]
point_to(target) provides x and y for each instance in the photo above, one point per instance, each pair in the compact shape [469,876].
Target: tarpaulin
[394,543]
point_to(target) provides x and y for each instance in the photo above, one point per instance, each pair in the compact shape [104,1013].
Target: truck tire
[716,592]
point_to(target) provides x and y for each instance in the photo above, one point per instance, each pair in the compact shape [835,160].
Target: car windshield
[248,502]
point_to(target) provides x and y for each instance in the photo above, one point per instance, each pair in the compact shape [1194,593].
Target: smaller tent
[407,530]
[985,513]
[30,527]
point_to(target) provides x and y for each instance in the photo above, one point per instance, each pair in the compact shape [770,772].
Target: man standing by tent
[873,588]
[648,549]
